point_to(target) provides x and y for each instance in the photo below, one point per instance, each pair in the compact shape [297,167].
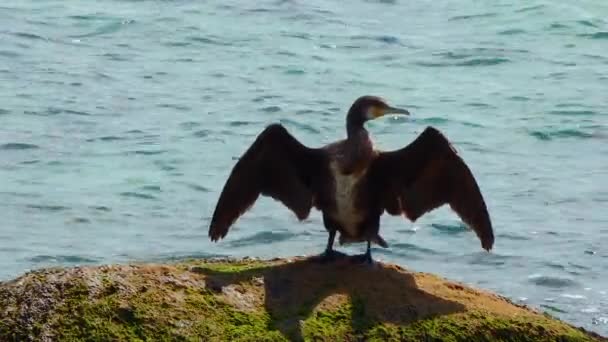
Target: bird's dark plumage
[427,174]
[353,184]
[276,165]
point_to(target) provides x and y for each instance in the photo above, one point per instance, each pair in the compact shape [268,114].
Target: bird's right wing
[427,174]
[275,165]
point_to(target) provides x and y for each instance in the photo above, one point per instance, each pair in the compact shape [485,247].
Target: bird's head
[368,108]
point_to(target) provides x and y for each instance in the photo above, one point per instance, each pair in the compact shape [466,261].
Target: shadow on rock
[378,294]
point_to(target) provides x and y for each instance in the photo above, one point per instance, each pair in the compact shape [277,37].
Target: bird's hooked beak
[395,110]
[376,112]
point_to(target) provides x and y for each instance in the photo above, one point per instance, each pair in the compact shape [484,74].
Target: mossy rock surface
[251,300]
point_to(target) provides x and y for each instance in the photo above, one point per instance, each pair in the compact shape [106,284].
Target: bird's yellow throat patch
[377,111]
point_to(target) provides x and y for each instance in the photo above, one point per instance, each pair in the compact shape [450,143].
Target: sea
[121,120]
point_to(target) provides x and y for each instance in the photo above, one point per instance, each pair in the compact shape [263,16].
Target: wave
[107,138]
[596,35]
[48,207]
[511,32]
[300,126]
[386,39]
[18,146]
[69,259]
[138,195]
[573,112]
[469,62]
[551,281]
[262,238]
[449,229]
[108,28]
[548,135]
[473,16]
[28,35]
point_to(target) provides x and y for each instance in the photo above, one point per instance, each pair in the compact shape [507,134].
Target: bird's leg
[330,242]
[330,254]
[365,258]
[368,253]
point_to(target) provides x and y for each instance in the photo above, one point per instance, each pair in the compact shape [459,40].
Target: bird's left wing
[275,165]
[425,175]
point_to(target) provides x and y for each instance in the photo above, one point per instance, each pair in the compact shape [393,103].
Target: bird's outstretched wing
[275,165]
[425,175]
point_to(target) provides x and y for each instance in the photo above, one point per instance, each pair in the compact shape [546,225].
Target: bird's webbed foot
[365,258]
[328,256]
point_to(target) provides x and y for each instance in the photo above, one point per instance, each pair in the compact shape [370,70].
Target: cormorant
[352,183]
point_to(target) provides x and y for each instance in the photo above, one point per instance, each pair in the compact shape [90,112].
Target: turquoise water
[120,120]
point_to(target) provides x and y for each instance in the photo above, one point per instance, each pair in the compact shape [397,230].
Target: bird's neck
[355,128]
[357,148]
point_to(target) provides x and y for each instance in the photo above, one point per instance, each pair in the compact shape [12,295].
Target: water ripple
[587,23]
[69,259]
[28,35]
[197,187]
[271,109]
[18,146]
[300,126]
[437,120]
[9,54]
[101,208]
[108,138]
[519,98]
[203,133]
[413,247]
[112,56]
[551,281]
[390,40]
[48,207]
[555,266]
[148,152]
[51,111]
[468,63]
[240,123]
[449,229]
[263,98]
[596,35]
[176,44]
[173,106]
[153,188]
[472,16]
[299,35]
[573,112]
[530,8]
[262,238]
[552,308]
[112,27]
[548,135]
[137,195]
[558,26]
[292,71]
[512,236]
[207,40]
[81,220]
[511,32]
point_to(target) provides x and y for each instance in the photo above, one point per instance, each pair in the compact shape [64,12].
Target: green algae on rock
[252,300]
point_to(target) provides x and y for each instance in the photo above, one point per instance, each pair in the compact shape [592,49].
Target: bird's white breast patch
[346,213]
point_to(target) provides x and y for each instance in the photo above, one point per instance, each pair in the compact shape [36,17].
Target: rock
[255,300]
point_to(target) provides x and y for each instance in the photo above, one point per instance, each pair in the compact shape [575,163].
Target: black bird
[352,183]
